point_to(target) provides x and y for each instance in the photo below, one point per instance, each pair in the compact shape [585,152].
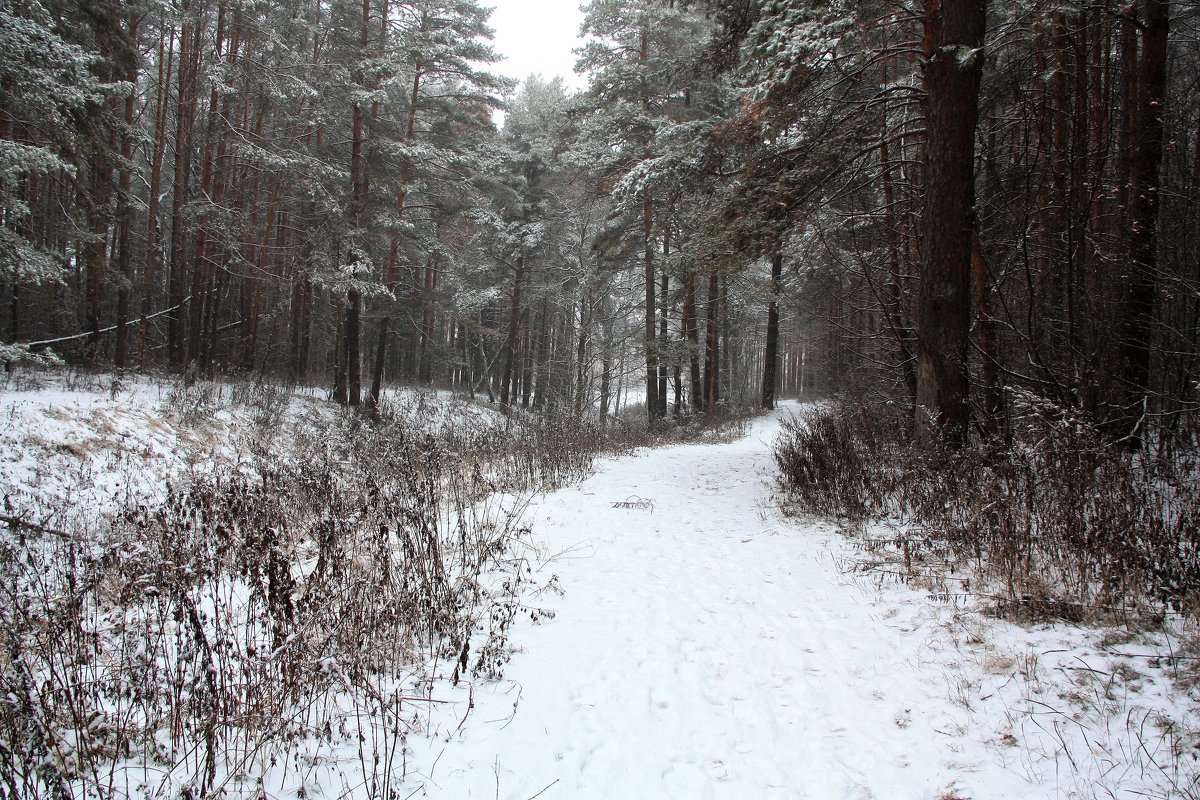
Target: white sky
[537,37]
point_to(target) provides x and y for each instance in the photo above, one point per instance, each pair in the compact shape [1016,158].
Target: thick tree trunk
[954,64]
[1143,242]
[184,116]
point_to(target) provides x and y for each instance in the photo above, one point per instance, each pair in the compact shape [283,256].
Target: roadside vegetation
[275,597]
[1056,521]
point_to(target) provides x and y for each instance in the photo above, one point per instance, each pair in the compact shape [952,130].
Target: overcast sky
[537,37]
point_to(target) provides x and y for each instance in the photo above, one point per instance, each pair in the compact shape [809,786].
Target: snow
[706,646]
[688,639]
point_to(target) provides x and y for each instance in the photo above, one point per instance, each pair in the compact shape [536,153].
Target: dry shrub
[203,639]
[1056,522]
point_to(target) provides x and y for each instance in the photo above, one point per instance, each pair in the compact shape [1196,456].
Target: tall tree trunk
[651,311]
[662,322]
[986,327]
[95,251]
[771,354]
[125,213]
[691,331]
[507,390]
[385,328]
[712,337]
[526,359]
[153,263]
[351,324]
[391,278]
[210,182]
[582,373]
[541,360]
[184,116]
[428,319]
[893,304]
[341,389]
[953,68]
[1143,242]
[353,348]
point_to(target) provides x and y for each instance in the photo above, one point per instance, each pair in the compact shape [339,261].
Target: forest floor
[706,645]
[684,637]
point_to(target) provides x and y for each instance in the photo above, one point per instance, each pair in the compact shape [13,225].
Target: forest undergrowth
[288,603]
[1053,527]
[1056,523]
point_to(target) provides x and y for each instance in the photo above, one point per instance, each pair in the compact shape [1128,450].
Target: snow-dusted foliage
[21,354]
[283,612]
[46,79]
[792,40]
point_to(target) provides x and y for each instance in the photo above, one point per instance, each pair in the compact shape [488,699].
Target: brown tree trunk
[150,275]
[353,348]
[125,214]
[954,65]
[184,116]
[428,319]
[1143,241]
[341,390]
[95,250]
[986,327]
[712,337]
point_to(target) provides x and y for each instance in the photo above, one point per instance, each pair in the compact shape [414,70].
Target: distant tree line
[961,206]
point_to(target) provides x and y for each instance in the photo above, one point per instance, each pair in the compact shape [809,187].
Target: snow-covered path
[708,647]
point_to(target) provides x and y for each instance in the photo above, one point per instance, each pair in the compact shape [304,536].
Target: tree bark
[691,331]
[771,354]
[993,409]
[184,115]
[1143,243]
[712,365]
[651,312]
[153,263]
[953,68]
[664,288]
[510,343]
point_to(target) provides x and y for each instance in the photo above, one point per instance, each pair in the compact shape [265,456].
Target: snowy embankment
[677,636]
[707,646]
